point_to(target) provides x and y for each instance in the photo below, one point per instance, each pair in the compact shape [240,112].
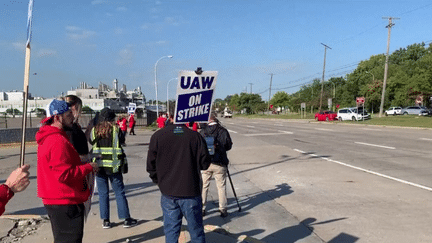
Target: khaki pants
[220,174]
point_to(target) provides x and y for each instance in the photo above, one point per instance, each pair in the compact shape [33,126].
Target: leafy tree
[13,111]
[234,102]
[280,99]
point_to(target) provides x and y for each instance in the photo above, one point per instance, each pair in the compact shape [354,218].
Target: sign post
[194,96]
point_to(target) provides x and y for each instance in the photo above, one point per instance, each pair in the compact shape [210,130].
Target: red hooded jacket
[5,195]
[60,174]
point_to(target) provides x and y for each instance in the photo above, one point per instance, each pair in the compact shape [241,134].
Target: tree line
[409,82]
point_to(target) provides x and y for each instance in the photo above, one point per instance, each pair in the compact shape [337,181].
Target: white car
[352,114]
[394,111]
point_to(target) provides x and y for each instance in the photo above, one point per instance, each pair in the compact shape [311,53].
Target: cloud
[121,9]
[96,2]
[19,45]
[46,52]
[77,33]
[118,31]
[126,56]
[168,21]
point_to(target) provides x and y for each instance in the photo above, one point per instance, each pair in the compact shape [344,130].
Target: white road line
[369,171]
[230,123]
[250,126]
[371,129]
[427,139]
[287,132]
[231,131]
[375,145]
[278,124]
[267,134]
[323,129]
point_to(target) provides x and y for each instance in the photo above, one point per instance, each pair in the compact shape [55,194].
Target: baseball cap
[55,107]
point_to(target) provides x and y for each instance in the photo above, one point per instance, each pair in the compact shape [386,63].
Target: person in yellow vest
[108,153]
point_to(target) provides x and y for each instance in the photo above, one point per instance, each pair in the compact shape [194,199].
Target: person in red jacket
[17,181]
[161,121]
[132,124]
[61,177]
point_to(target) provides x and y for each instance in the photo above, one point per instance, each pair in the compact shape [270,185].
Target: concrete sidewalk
[259,216]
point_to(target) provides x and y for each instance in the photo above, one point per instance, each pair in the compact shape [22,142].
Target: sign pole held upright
[26,82]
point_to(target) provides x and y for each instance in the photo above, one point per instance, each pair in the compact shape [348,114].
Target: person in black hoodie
[175,158]
[219,162]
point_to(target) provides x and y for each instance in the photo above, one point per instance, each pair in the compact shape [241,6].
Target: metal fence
[32,121]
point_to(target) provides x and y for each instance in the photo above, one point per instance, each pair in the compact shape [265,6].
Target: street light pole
[156,87]
[167,94]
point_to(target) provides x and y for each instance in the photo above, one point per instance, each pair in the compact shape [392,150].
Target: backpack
[210,144]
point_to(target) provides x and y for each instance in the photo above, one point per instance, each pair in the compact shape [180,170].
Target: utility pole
[322,82]
[271,79]
[389,26]
[251,87]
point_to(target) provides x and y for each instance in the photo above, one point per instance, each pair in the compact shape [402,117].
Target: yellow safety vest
[115,160]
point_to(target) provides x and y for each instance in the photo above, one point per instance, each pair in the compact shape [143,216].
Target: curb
[24,216]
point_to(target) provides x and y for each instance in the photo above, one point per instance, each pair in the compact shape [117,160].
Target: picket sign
[194,96]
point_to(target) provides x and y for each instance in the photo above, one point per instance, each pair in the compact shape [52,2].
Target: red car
[326,116]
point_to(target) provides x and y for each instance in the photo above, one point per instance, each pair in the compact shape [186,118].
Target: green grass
[401,121]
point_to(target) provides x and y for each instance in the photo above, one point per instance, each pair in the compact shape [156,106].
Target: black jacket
[175,159]
[222,142]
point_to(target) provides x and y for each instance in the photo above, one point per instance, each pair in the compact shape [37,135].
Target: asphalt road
[301,182]
[356,183]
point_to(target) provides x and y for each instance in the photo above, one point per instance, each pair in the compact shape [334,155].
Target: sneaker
[223,213]
[130,222]
[106,224]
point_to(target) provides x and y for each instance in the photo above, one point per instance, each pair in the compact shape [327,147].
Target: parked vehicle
[394,111]
[227,113]
[352,114]
[415,110]
[429,111]
[325,116]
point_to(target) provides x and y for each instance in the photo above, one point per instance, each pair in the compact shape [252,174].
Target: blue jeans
[174,209]
[116,180]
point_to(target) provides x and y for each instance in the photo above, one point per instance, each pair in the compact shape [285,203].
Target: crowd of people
[180,160]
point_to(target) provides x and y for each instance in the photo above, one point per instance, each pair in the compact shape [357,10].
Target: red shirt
[161,122]
[61,176]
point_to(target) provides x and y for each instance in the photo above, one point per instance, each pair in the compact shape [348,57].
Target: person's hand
[18,180]
[95,166]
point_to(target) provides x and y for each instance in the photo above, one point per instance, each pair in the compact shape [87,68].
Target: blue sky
[102,40]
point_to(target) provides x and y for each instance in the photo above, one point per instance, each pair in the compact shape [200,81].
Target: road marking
[278,124]
[371,129]
[427,139]
[250,126]
[368,171]
[231,131]
[323,129]
[287,132]
[267,134]
[375,145]
[230,123]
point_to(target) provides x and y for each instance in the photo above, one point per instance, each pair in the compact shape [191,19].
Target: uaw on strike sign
[194,96]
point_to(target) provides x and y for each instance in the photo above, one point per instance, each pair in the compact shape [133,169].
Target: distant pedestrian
[111,158]
[122,123]
[132,124]
[219,162]
[61,176]
[175,158]
[17,181]
[161,120]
